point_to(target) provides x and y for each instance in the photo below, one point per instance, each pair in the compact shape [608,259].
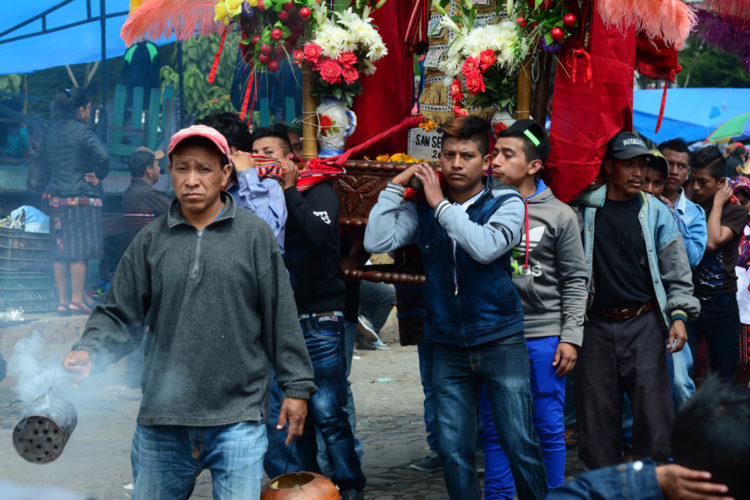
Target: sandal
[62,309]
[89,302]
[79,308]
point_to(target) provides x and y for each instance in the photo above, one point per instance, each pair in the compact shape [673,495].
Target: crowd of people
[247,324]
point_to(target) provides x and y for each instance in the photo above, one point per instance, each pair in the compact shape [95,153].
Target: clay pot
[300,486]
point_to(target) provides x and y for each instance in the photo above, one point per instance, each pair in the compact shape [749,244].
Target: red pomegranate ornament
[569,20]
[300,486]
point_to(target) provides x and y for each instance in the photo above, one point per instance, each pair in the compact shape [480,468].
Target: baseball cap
[204,131]
[533,131]
[141,159]
[627,145]
[658,162]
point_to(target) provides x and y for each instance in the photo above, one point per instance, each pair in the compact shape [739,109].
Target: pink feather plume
[155,19]
[668,20]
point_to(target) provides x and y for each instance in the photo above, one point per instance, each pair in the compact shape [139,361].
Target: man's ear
[535,166]
[226,173]
[608,166]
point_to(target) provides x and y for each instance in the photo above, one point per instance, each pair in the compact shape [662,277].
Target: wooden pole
[523,109]
[542,88]
[309,117]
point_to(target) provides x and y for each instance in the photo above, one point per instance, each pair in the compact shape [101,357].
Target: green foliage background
[704,66]
[198,53]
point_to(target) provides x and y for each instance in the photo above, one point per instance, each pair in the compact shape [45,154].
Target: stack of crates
[26,278]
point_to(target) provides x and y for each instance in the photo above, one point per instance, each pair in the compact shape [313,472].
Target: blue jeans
[425,351]
[719,323]
[324,340]
[548,391]
[167,459]
[457,376]
[350,334]
[680,365]
[377,301]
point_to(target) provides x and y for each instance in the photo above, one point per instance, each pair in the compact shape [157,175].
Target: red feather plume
[155,19]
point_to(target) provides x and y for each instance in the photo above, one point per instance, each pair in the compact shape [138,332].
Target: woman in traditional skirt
[78,161]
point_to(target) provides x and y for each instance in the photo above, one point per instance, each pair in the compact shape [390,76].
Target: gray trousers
[623,356]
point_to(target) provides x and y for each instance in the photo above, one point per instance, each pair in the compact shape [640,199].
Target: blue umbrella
[690,113]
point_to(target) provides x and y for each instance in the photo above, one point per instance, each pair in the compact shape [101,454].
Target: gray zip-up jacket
[221,307]
[552,283]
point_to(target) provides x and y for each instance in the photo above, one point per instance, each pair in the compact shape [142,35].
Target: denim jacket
[667,259]
[631,481]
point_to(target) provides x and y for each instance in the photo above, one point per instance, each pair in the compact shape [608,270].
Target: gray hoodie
[550,271]
[221,312]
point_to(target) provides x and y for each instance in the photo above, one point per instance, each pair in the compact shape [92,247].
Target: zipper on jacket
[195,268]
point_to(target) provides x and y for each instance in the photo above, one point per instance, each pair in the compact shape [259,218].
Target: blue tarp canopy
[690,113]
[39,34]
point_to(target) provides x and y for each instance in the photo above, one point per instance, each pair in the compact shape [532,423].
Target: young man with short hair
[269,141]
[549,272]
[474,316]
[655,176]
[711,450]
[715,278]
[212,278]
[694,217]
[313,258]
[640,282]
[261,195]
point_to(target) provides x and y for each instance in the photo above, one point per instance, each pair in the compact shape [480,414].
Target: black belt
[623,313]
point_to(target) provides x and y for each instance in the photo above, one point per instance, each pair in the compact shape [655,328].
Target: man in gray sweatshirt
[221,312]
[549,272]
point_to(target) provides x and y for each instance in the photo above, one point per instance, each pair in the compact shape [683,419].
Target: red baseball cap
[209,133]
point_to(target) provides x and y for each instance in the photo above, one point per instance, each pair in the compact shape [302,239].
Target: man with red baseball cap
[221,306]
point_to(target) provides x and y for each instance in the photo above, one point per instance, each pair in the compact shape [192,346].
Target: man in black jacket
[313,258]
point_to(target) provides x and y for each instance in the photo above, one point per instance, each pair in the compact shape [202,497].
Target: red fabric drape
[387,95]
[586,115]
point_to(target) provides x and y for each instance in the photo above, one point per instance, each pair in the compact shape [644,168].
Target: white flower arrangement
[344,45]
[502,38]
[347,32]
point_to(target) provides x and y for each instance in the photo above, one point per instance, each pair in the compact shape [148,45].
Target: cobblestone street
[96,461]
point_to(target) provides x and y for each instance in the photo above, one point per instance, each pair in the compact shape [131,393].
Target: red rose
[456,94]
[475,83]
[486,59]
[330,71]
[350,74]
[471,65]
[312,52]
[459,112]
[347,59]
[325,122]
[298,56]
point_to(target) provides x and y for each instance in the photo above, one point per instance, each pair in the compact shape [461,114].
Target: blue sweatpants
[548,391]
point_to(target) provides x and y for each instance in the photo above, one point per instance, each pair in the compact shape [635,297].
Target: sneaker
[381,345]
[364,345]
[430,463]
[366,331]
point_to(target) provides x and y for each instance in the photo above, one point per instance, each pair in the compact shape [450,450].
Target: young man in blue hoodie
[474,317]
[549,272]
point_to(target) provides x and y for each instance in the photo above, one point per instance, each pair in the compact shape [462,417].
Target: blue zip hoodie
[478,302]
